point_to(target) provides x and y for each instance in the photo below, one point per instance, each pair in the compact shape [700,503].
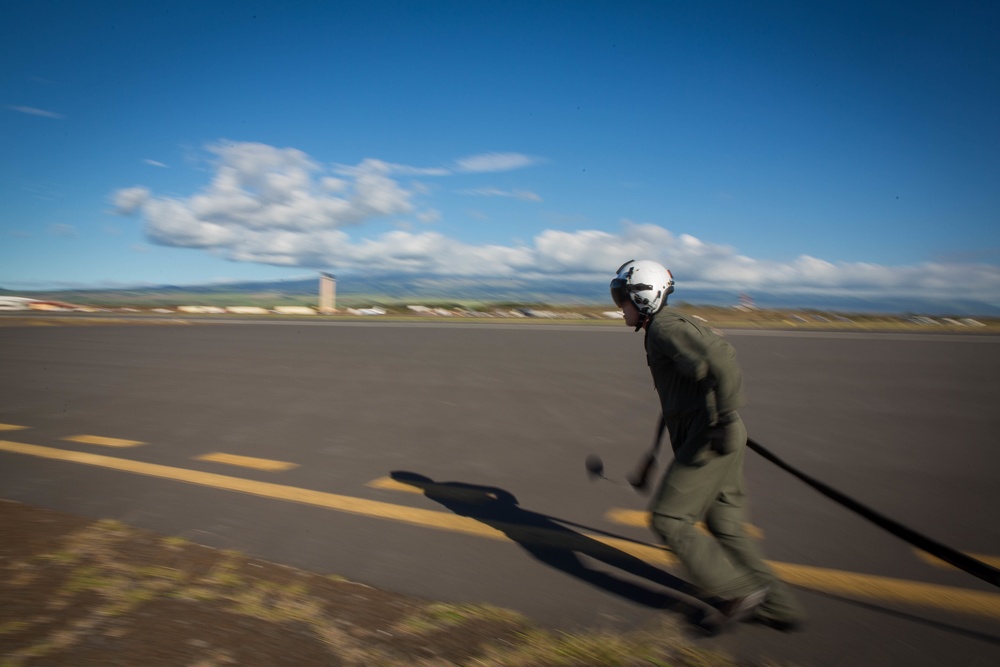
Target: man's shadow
[550,541]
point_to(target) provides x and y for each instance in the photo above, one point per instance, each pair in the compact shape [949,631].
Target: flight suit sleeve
[709,361]
[688,354]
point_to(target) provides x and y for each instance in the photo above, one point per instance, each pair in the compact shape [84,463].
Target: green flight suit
[700,387]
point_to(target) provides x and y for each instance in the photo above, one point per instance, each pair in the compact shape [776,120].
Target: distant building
[25,303]
[201,310]
[52,305]
[327,293]
[746,302]
[246,310]
[15,302]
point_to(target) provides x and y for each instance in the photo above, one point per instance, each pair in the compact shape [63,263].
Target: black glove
[639,478]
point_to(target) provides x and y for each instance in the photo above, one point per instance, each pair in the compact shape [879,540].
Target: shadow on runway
[913,618]
[549,540]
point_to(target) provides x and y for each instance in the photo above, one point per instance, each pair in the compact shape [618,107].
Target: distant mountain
[549,291]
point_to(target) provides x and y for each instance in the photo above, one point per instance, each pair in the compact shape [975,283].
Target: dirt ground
[99,593]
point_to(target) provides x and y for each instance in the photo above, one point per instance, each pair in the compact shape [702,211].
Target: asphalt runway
[283,441]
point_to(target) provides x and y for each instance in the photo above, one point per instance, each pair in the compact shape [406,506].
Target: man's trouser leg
[725,520]
[683,498]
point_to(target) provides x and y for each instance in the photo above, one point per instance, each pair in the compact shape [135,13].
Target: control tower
[327,293]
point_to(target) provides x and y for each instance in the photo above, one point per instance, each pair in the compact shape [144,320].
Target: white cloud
[277,206]
[405,170]
[390,168]
[430,215]
[258,191]
[524,195]
[331,184]
[154,163]
[702,265]
[32,111]
[494,162]
[129,200]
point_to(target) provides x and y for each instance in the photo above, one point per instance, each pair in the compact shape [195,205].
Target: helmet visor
[619,291]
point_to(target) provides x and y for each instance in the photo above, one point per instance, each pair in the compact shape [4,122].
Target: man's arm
[687,347]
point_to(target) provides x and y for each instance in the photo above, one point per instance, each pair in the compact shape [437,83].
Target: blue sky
[829,147]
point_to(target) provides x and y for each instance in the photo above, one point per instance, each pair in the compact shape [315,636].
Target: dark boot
[733,611]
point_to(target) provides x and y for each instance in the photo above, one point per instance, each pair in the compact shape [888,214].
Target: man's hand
[639,478]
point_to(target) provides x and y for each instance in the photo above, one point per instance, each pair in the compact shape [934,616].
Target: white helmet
[645,283]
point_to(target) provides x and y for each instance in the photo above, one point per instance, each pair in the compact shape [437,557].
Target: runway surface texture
[448,462]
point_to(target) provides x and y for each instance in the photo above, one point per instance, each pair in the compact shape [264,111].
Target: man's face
[632,314]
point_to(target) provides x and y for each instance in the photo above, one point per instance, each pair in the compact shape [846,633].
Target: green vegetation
[131,589]
[440,616]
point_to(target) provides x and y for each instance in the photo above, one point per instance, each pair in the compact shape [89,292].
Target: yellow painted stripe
[640,519]
[848,584]
[624,517]
[389,484]
[992,561]
[102,441]
[647,552]
[11,427]
[247,461]
[373,508]
[855,585]
[621,516]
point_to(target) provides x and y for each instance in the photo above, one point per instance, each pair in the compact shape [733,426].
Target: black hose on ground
[962,561]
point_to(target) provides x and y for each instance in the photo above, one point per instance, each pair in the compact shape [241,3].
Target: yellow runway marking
[854,585]
[389,484]
[848,584]
[624,517]
[640,519]
[621,516]
[247,461]
[102,441]
[11,427]
[419,517]
[992,561]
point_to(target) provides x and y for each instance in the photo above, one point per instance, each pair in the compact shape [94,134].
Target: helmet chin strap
[643,317]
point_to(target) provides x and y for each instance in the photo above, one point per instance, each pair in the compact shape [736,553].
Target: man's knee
[724,527]
[671,529]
